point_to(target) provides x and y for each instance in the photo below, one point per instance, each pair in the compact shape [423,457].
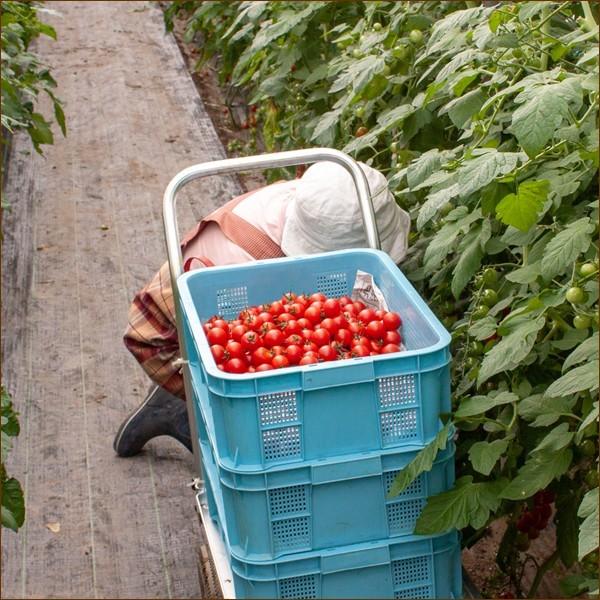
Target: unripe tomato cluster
[534,519]
[301,330]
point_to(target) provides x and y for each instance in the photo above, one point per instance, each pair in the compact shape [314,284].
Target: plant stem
[546,566]
[589,15]
[545,29]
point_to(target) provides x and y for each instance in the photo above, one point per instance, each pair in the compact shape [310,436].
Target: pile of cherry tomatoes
[301,330]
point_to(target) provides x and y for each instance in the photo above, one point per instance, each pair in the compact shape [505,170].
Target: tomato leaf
[587,350]
[521,209]
[560,437]
[466,504]
[423,461]
[544,411]
[484,455]
[581,378]
[511,350]
[565,247]
[469,262]
[13,506]
[588,532]
[477,405]
[537,473]
[481,170]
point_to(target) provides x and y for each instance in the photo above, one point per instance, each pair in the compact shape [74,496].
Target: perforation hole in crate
[398,425]
[286,500]
[278,408]
[397,390]
[298,587]
[291,534]
[332,284]
[230,301]
[281,443]
[403,515]
[423,591]
[411,570]
[416,488]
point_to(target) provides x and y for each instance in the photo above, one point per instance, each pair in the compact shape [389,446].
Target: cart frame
[216,562]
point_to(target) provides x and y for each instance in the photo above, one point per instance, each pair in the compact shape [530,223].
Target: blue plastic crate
[320,504]
[412,568]
[326,409]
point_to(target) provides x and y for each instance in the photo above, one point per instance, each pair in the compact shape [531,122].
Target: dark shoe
[160,413]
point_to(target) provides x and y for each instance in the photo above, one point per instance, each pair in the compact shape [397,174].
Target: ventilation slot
[398,425]
[278,408]
[298,587]
[397,391]
[332,284]
[281,443]
[288,500]
[402,516]
[230,301]
[291,534]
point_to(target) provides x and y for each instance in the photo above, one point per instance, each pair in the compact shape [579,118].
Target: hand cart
[215,573]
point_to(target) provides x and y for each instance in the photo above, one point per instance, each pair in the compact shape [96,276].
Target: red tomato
[376,345]
[264,367]
[379,314]
[284,317]
[309,346]
[304,323]
[216,335]
[238,331]
[317,297]
[375,330]
[321,336]
[359,350]
[345,300]
[251,340]
[207,327]
[313,314]
[294,353]
[331,308]
[273,337]
[390,348]
[236,365]
[309,358]
[278,350]
[392,337]
[221,323]
[280,361]
[358,305]
[306,334]
[294,339]
[344,336]
[330,325]
[391,321]
[264,316]
[218,353]
[276,308]
[327,353]
[221,367]
[340,321]
[350,311]
[356,327]
[366,315]
[261,356]
[288,297]
[235,349]
[360,340]
[297,309]
[290,327]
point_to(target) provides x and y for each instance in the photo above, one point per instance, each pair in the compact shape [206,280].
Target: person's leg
[160,413]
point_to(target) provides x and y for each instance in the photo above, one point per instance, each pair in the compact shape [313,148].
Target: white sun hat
[325,214]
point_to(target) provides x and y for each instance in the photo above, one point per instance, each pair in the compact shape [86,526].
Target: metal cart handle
[263,161]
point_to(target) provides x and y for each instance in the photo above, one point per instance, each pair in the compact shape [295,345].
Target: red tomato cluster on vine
[301,329]
[535,519]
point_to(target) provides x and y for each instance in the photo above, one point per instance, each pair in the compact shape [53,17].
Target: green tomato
[359,112]
[394,147]
[587,448]
[471,362]
[400,52]
[587,269]
[517,53]
[377,26]
[356,53]
[591,478]
[490,276]
[446,209]
[582,322]
[475,348]
[575,295]
[478,281]
[481,311]
[386,70]
[416,37]
[489,297]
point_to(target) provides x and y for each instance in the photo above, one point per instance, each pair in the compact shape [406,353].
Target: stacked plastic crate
[299,463]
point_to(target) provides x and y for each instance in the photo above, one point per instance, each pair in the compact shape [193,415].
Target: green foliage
[24,76]
[486,126]
[13,506]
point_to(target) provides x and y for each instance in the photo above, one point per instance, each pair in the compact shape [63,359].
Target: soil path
[85,232]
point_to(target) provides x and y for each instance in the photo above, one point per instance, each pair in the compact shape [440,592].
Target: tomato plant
[485,121]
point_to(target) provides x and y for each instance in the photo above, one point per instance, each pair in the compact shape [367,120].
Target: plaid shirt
[151,333]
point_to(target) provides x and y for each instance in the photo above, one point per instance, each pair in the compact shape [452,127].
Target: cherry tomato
[359,350]
[327,353]
[217,335]
[261,356]
[525,522]
[264,316]
[361,340]
[340,321]
[294,339]
[489,297]
[266,326]
[344,336]
[236,365]
[391,321]
[587,269]
[218,353]
[356,327]
[290,327]
[375,330]
[330,325]
[280,361]
[273,337]
[390,348]
[264,367]
[251,340]
[304,323]
[221,323]
[358,305]
[376,345]
[313,314]
[344,300]
[276,308]
[288,297]
[278,350]
[416,37]
[238,331]
[235,349]
[392,337]
[331,307]
[321,336]
[582,322]
[317,297]
[350,311]
[575,295]
[294,353]
[366,315]
[309,358]
[310,346]
[297,309]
